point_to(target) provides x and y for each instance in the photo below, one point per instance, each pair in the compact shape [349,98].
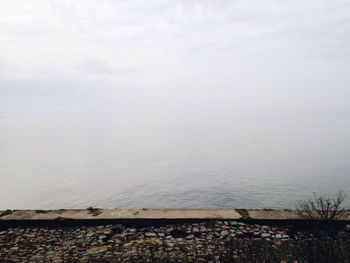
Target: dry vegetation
[322,207]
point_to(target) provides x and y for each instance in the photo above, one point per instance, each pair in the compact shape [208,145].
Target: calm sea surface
[105,160]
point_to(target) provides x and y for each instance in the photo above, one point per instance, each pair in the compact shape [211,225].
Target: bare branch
[322,207]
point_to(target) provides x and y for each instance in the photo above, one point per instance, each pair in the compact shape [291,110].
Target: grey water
[108,160]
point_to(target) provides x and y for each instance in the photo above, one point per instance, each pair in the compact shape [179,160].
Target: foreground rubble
[210,241]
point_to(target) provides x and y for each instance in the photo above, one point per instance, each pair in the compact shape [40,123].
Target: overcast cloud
[219,57]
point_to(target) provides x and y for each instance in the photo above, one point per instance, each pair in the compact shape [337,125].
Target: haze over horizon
[187,59]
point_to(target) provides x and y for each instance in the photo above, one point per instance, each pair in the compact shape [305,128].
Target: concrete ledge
[270,214]
[150,214]
[261,214]
[105,214]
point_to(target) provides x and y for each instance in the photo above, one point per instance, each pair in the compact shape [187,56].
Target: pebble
[102,237]
[224,233]
[150,234]
[239,233]
[256,234]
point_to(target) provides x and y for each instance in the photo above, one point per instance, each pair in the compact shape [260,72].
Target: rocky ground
[192,242]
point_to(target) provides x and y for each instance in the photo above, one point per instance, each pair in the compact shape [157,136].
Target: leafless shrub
[322,207]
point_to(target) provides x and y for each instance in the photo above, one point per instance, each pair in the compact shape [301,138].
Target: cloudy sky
[210,57]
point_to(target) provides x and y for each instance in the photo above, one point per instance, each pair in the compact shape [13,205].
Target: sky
[180,58]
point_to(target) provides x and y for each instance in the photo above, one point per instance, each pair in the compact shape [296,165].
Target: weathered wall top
[115,214]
